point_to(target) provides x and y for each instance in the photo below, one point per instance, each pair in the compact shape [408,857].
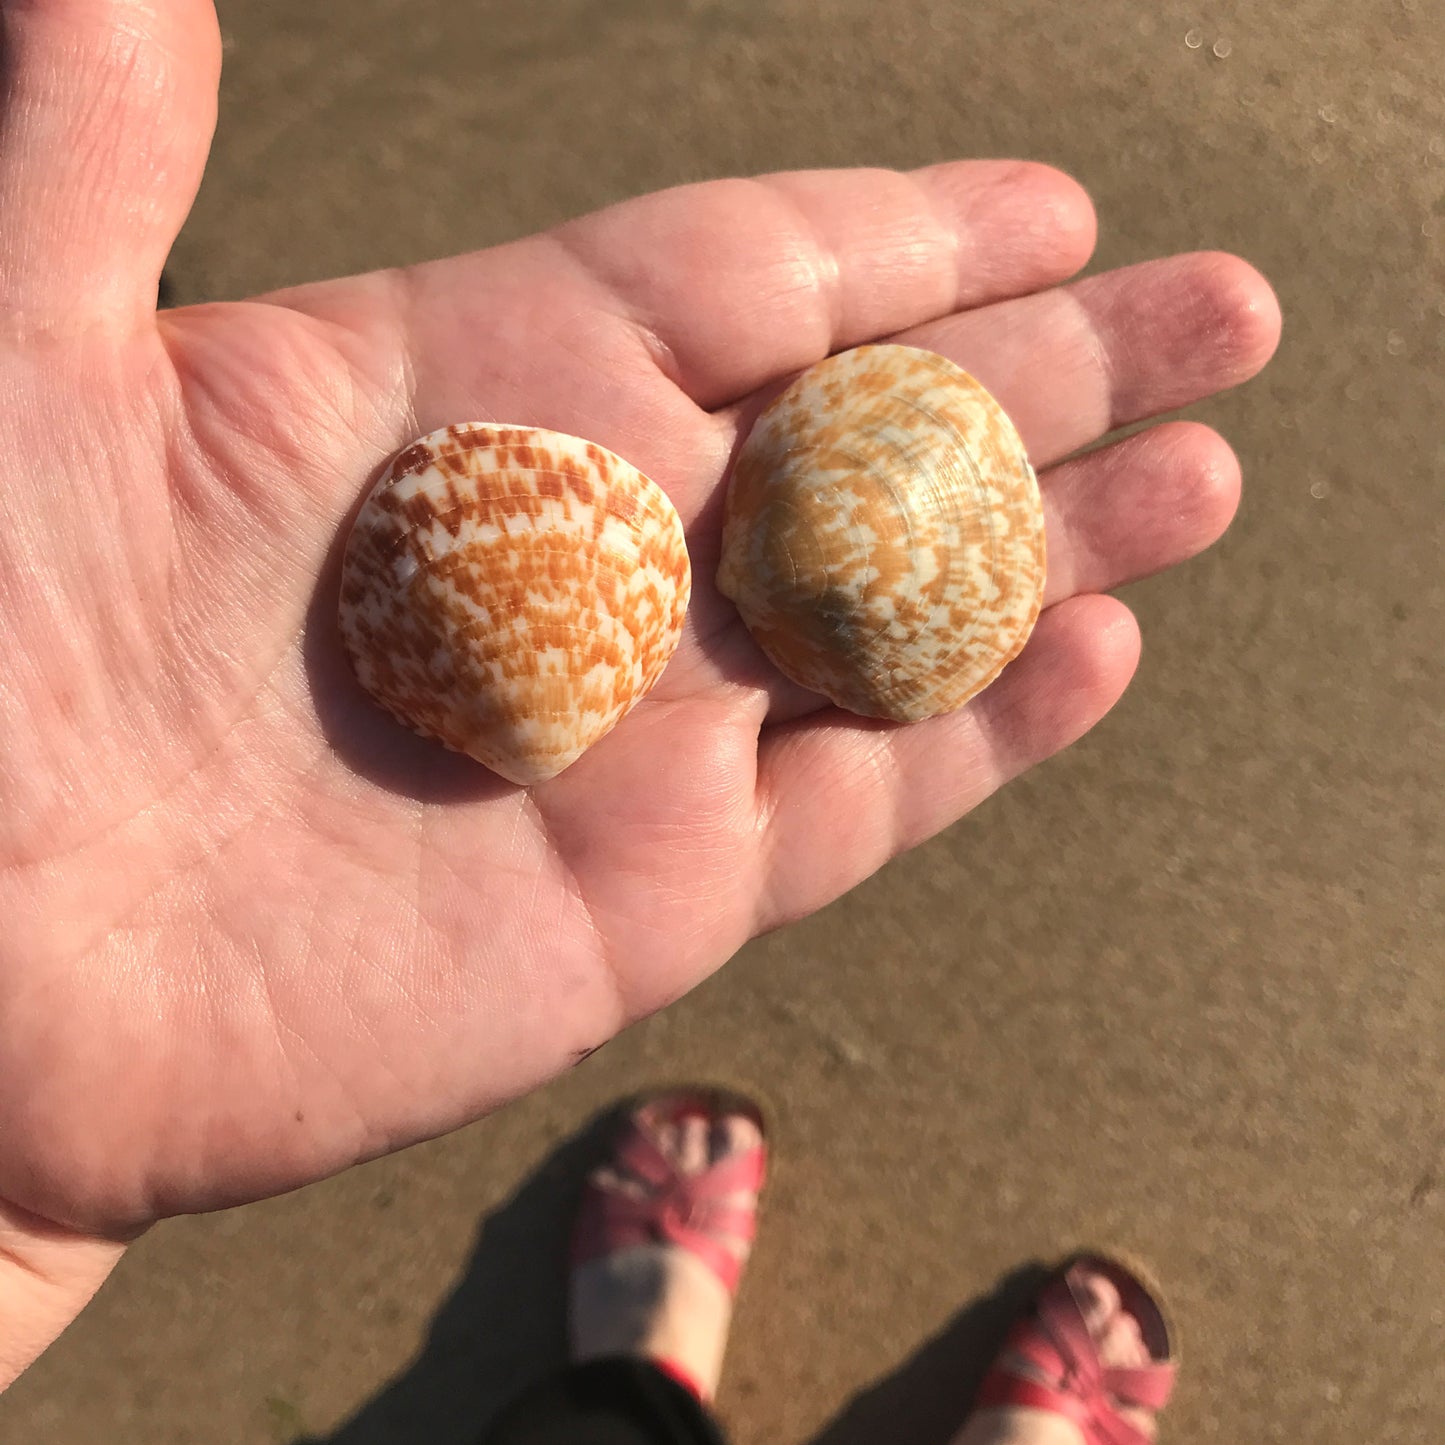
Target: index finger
[738,282]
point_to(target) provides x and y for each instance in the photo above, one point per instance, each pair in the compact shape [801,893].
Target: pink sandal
[1054,1339]
[686,1210]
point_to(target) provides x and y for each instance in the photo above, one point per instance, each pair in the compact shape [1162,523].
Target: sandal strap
[695,1212]
[1055,1340]
[1098,1423]
[1062,1318]
[735,1174]
[639,1155]
[610,1221]
[1148,1386]
[664,1215]
[1002,1388]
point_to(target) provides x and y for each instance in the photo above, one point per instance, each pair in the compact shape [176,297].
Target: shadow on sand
[504,1327]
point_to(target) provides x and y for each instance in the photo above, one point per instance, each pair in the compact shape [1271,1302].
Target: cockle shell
[883,537]
[513,592]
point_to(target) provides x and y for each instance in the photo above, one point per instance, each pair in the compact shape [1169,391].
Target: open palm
[255,931]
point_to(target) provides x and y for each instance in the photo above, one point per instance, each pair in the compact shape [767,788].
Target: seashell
[512,593]
[883,536]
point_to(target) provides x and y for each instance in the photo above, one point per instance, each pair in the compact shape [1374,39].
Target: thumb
[106,114]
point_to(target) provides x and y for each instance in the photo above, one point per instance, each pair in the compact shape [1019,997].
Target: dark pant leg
[606,1402]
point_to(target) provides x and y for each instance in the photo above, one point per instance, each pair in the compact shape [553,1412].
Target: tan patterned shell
[513,592]
[883,537]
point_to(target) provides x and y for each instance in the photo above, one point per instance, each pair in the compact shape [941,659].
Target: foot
[663,1233]
[1119,1340]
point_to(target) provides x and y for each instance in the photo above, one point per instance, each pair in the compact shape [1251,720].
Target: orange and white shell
[512,592]
[884,537]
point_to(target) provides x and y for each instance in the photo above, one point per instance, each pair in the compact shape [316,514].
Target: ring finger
[1111,516]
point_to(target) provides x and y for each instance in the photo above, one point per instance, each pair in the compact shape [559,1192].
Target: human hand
[256,931]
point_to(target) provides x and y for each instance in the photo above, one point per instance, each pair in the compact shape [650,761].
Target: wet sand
[1179,990]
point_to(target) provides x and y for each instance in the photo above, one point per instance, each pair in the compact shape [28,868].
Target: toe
[1122,1342]
[1098,1298]
[735,1134]
[693,1152]
[692,1134]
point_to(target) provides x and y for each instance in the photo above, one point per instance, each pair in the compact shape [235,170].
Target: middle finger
[1071,364]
